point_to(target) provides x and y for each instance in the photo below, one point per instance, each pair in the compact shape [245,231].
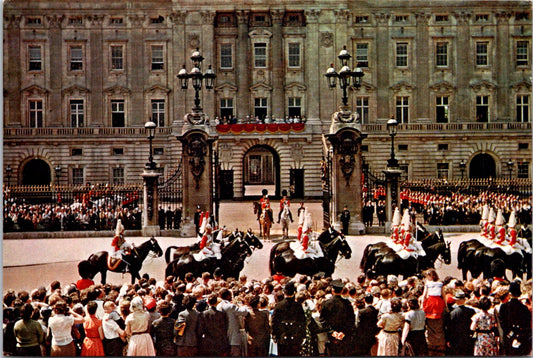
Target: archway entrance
[482,166]
[36,172]
[261,171]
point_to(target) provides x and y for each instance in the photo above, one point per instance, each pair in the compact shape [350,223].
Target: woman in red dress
[92,344]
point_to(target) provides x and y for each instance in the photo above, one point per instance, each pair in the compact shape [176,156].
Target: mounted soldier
[208,246]
[122,248]
[491,228]
[308,246]
[284,202]
[410,246]
[500,228]
[265,204]
[301,220]
[395,226]
[484,222]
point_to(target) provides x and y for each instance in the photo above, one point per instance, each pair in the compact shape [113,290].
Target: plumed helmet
[512,219]
[301,218]
[396,218]
[492,215]
[500,221]
[308,222]
[406,220]
[485,214]
[264,192]
[120,228]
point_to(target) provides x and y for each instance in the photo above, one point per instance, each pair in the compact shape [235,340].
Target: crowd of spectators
[259,120]
[304,316]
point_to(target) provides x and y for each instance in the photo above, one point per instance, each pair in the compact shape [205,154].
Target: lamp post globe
[346,76]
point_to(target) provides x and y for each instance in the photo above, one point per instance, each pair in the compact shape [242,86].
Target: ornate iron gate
[171,188]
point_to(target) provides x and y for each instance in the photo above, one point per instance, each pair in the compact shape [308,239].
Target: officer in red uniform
[265,204]
[282,203]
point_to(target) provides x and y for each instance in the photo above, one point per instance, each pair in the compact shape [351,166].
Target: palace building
[81,78]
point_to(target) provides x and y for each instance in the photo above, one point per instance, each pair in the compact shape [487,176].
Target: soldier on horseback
[122,247]
[208,247]
[284,202]
[265,204]
[410,246]
[395,226]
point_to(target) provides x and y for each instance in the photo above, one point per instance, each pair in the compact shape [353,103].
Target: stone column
[502,67]
[13,86]
[97,69]
[138,71]
[56,67]
[243,58]
[384,64]
[151,203]
[314,74]
[463,67]
[278,69]
[422,74]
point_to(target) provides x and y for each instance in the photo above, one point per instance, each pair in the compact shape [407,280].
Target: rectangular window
[118,151]
[34,21]
[361,19]
[401,18]
[522,108]
[226,56]
[482,53]
[261,108]
[441,18]
[522,53]
[157,20]
[158,112]
[77,176]
[295,107]
[76,113]
[523,146]
[158,62]
[159,151]
[76,58]
[442,146]
[442,109]
[523,170]
[402,109]
[117,57]
[260,55]
[441,54]
[117,113]
[294,55]
[116,21]
[361,55]
[35,58]
[482,17]
[442,170]
[361,104]
[482,108]
[403,147]
[76,152]
[118,176]
[36,113]
[401,54]
[226,109]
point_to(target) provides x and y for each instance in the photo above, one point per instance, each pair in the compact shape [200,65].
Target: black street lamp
[150,128]
[345,75]
[462,167]
[58,173]
[392,127]
[197,77]
[8,174]
[510,165]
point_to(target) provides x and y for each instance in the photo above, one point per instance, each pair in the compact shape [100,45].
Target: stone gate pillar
[150,226]
[345,137]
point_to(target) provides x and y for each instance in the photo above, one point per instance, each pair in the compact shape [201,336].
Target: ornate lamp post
[346,76]
[510,165]
[462,167]
[392,127]
[197,77]
[8,175]
[150,129]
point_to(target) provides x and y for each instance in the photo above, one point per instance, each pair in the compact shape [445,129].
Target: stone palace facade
[81,78]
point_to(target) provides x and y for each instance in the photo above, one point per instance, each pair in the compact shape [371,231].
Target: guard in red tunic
[265,204]
[301,220]
[491,226]
[395,226]
[500,226]
[282,203]
[484,222]
[512,230]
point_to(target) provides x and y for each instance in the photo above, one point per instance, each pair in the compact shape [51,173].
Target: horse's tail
[167,253]
[362,266]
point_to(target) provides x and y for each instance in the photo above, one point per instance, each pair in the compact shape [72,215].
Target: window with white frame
[226,108]
[35,61]
[523,170]
[482,53]
[77,176]
[76,58]
[35,113]
[522,108]
[117,57]
[260,55]
[482,108]
[118,114]
[361,104]
[158,62]
[76,113]
[294,54]
[441,54]
[401,54]
[226,56]
[361,55]
[295,107]
[118,176]
[261,108]
[442,170]
[522,53]
[442,109]
[158,112]
[402,109]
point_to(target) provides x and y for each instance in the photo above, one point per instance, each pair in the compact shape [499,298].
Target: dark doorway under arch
[261,170]
[36,172]
[482,166]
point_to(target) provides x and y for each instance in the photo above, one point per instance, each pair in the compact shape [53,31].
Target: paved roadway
[31,263]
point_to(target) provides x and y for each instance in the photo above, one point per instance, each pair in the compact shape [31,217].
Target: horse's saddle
[114,261]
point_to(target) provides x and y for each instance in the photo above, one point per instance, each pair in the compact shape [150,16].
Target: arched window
[482,166]
[36,172]
[259,167]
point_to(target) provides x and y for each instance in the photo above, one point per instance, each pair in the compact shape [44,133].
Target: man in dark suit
[365,326]
[177,217]
[288,323]
[515,321]
[338,319]
[457,324]
[161,218]
[213,330]
[169,215]
[185,329]
[197,216]
[345,220]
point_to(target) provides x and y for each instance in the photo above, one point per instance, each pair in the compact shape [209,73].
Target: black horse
[392,264]
[466,258]
[231,264]
[283,260]
[99,261]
